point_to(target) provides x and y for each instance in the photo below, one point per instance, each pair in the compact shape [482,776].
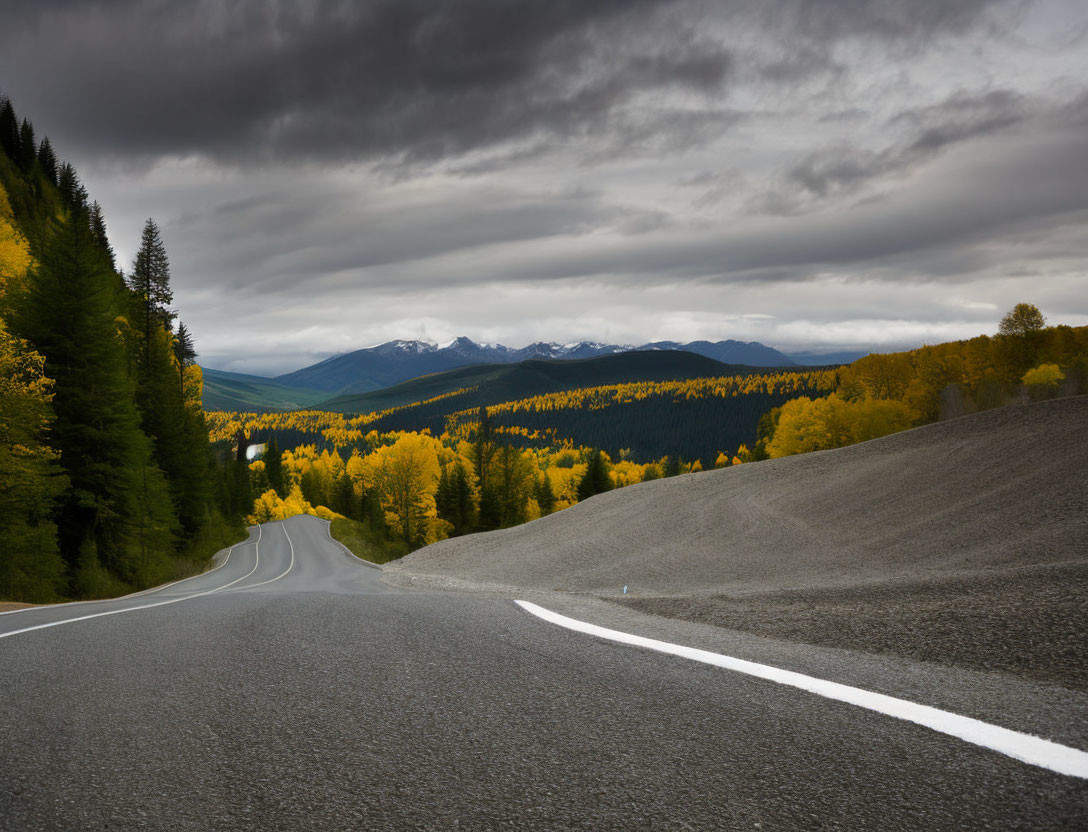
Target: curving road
[291,688]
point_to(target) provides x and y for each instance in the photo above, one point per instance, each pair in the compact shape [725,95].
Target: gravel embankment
[920,544]
[1029,621]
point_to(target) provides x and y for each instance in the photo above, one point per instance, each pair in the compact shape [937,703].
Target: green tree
[71,189]
[150,281]
[483,448]
[1022,334]
[454,498]
[98,230]
[596,479]
[9,129]
[545,496]
[117,508]
[30,480]
[28,148]
[273,466]
[513,481]
[47,159]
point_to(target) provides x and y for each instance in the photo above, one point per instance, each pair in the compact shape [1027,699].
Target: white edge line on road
[1023,747]
[371,564]
[290,566]
[256,562]
[150,591]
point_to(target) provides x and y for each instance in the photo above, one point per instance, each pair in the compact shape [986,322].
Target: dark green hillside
[650,429]
[246,393]
[508,382]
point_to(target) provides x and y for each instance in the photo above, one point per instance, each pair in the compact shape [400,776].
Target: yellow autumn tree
[806,424]
[15,257]
[1044,377]
[405,477]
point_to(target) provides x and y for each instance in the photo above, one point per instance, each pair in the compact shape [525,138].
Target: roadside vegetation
[108,481]
[365,543]
[885,393]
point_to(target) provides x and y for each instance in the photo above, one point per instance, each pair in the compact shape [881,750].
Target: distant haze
[816,175]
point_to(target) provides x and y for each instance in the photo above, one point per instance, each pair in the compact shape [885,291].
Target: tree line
[410,488]
[885,393]
[108,480]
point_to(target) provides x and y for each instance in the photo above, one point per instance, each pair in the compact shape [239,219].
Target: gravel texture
[930,543]
[1029,621]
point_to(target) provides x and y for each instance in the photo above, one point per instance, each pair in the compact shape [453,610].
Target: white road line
[256,562]
[1023,747]
[290,566]
[150,591]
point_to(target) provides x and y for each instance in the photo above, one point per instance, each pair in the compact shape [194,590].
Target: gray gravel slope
[1003,488]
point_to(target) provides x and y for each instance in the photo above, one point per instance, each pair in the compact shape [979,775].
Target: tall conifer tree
[9,129]
[117,511]
[98,231]
[47,158]
[150,280]
[273,466]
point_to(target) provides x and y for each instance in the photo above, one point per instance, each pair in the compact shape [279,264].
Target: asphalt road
[293,689]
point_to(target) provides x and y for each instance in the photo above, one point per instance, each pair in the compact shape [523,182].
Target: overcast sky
[811,174]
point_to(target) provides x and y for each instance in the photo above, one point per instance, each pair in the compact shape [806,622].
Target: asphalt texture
[302,691]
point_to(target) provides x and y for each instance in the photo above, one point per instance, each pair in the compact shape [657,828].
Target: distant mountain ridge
[374,368]
[489,384]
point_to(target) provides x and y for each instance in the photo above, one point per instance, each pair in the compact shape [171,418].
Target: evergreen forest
[108,480]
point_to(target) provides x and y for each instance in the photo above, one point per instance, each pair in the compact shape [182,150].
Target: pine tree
[180,443]
[184,353]
[28,148]
[71,189]
[513,481]
[454,498]
[150,282]
[117,507]
[47,159]
[98,231]
[596,479]
[273,466]
[9,129]
[545,496]
[483,449]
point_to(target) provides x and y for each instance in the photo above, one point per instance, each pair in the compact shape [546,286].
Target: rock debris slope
[1004,488]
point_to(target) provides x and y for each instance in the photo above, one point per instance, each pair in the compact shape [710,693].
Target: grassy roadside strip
[364,543]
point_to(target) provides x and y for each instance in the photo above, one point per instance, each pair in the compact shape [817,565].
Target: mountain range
[391,363]
[394,362]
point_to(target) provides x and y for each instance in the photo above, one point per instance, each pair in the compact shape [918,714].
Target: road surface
[291,688]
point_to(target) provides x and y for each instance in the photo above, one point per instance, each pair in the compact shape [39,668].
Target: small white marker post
[625,589]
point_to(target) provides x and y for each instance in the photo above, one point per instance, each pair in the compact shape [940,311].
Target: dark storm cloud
[408,79]
[325,233]
[890,20]
[1035,185]
[926,131]
[337,80]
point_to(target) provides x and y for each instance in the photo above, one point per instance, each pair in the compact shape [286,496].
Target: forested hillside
[108,481]
[885,393]
[489,384]
[239,391]
[402,484]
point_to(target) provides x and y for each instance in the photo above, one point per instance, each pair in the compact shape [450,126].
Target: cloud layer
[331,174]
